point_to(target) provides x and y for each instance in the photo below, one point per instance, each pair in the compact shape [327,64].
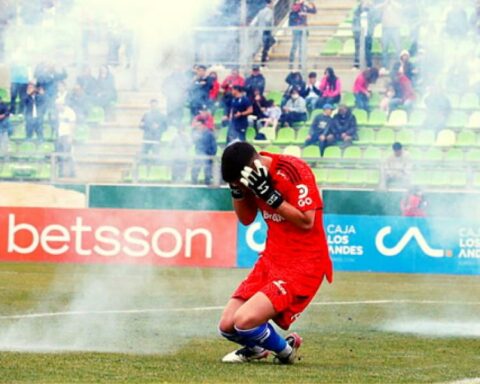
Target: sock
[265,336]
[237,338]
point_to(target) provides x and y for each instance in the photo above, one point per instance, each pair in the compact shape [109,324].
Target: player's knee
[226,325]
[245,320]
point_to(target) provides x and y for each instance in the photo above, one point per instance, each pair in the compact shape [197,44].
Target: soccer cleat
[295,341]
[244,355]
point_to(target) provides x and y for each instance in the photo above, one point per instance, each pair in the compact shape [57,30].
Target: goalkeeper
[290,271]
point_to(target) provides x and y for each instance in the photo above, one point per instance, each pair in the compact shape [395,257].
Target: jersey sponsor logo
[412,233]
[303,199]
[275,217]
[279,284]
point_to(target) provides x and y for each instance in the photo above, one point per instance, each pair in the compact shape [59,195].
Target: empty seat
[332,47]
[406,136]
[292,150]
[385,136]
[445,138]
[397,118]
[312,151]
[285,136]
[365,136]
[466,139]
[352,153]
[361,116]
[377,118]
[332,153]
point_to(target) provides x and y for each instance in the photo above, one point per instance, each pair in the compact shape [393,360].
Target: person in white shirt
[311,93]
[66,129]
[397,168]
[295,110]
[272,113]
[265,19]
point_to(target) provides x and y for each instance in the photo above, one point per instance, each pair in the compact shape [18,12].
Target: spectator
[405,66]
[205,118]
[331,88]
[311,93]
[345,126]
[295,110]
[205,145]
[180,147]
[265,19]
[256,81]
[272,115]
[397,168]
[387,99]
[78,101]
[438,109]
[34,111]
[174,88]
[153,124]
[66,128]
[199,91]
[48,79]
[240,108]
[365,7]
[294,81]
[88,83]
[321,131]
[18,87]
[404,92]
[5,128]
[106,92]
[391,12]
[298,20]
[215,91]
[361,88]
[227,86]
[414,203]
[259,105]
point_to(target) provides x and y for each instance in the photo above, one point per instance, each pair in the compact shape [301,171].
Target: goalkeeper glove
[259,182]
[236,192]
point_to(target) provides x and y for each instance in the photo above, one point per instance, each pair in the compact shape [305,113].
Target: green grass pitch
[158,325]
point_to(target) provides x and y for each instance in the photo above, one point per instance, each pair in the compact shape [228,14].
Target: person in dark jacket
[240,109]
[199,90]
[35,105]
[298,18]
[106,93]
[294,81]
[345,126]
[365,7]
[321,131]
[205,146]
[153,125]
[255,81]
[311,93]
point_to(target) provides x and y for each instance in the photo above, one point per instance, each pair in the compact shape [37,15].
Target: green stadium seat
[385,136]
[348,48]
[23,171]
[365,136]
[48,132]
[469,101]
[222,136]
[312,151]
[377,32]
[46,148]
[439,178]
[321,175]
[6,171]
[26,150]
[398,118]
[332,48]
[82,132]
[457,119]
[374,100]
[474,120]
[273,149]
[285,136]
[376,47]
[4,95]
[454,155]
[250,134]
[218,116]
[96,116]
[415,153]
[417,118]
[356,177]
[302,135]
[457,179]
[425,138]
[332,152]
[361,116]
[445,138]
[421,177]
[372,153]
[270,133]
[292,150]
[473,156]
[19,133]
[352,153]
[433,154]
[344,30]
[406,136]
[372,177]
[466,139]
[337,176]
[377,118]
[44,171]
[348,98]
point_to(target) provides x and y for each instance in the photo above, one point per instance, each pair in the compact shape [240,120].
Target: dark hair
[397,146]
[312,75]
[238,88]
[371,75]
[202,67]
[331,78]
[234,158]
[270,103]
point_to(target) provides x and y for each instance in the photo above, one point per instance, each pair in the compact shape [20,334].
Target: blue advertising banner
[386,244]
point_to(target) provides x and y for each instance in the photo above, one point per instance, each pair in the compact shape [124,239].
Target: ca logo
[412,233]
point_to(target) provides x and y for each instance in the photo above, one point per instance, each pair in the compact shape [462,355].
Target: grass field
[137,325]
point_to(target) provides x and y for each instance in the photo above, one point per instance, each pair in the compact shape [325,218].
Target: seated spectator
[331,89]
[294,80]
[66,129]
[414,203]
[405,66]
[18,87]
[180,147]
[35,105]
[311,93]
[397,168]
[153,124]
[404,93]
[438,109]
[5,128]
[227,87]
[259,105]
[322,130]
[256,81]
[205,145]
[106,92]
[272,115]
[240,109]
[295,110]
[215,91]
[345,126]
[204,117]
[361,88]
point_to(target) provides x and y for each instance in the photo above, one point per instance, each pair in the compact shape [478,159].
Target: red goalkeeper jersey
[289,247]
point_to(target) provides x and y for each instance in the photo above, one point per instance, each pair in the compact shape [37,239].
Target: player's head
[235,157]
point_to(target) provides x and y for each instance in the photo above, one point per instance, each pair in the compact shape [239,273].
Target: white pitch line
[466,381]
[218,308]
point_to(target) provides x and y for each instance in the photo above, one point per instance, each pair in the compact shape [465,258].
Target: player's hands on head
[258,181]
[236,191]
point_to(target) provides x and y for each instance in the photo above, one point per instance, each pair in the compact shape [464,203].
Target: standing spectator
[66,128]
[180,147]
[215,91]
[397,168]
[392,21]
[48,79]
[298,19]
[106,92]
[404,92]
[205,118]
[174,88]
[234,79]
[5,129]
[272,115]
[438,108]
[240,108]
[365,7]
[34,111]
[199,90]
[256,81]
[294,81]
[295,110]
[18,87]
[311,93]
[345,126]
[153,124]
[88,83]
[361,88]
[331,88]
[321,131]
[265,19]
[205,146]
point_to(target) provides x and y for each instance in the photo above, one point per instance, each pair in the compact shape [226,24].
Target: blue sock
[237,338]
[264,336]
